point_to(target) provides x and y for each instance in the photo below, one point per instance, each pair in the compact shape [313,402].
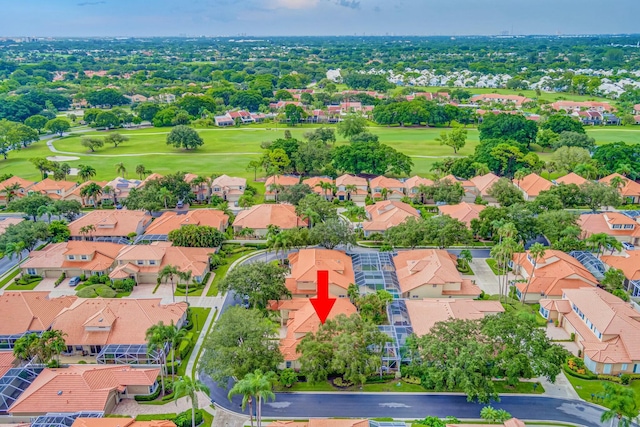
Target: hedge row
[149,397]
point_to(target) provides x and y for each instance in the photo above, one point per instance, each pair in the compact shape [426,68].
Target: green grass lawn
[553,96]
[587,388]
[230,150]
[9,277]
[202,314]
[494,266]
[222,271]
[194,291]
[31,286]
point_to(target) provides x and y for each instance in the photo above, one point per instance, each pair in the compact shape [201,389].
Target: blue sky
[314,17]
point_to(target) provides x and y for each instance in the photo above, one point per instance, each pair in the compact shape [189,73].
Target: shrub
[573,336]
[172,367]
[611,378]
[149,397]
[340,382]
[185,345]
[412,380]
[60,279]
[94,291]
[625,379]
[288,377]
[107,203]
[184,418]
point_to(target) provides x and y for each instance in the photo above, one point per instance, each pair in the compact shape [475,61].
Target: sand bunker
[62,158]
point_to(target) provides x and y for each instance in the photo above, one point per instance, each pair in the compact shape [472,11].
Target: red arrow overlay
[322,303]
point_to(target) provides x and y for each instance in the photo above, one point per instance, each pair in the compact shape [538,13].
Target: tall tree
[189,387]
[537,252]
[260,282]
[185,137]
[455,139]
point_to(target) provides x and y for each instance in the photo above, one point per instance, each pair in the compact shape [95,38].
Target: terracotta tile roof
[314,181]
[79,388]
[554,273]
[416,268]
[7,361]
[351,180]
[463,212]
[388,183]
[305,320]
[306,262]
[630,189]
[229,181]
[533,184]
[283,180]
[452,179]
[24,184]
[184,259]
[415,182]
[111,222]
[120,422]
[101,255]
[30,311]
[169,221]
[618,322]
[629,264]
[151,177]
[387,214]
[571,178]
[427,312]
[5,222]
[484,182]
[125,321]
[260,216]
[49,185]
[599,223]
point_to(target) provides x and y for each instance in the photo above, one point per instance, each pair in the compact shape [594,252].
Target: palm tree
[466,257]
[10,191]
[186,277]
[174,337]
[276,189]
[107,190]
[598,241]
[48,210]
[141,171]
[156,337]
[351,188]
[326,187]
[280,241]
[384,193]
[536,251]
[189,387]
[618,182]
[164,194]
[311,215]
[624,169]
[65,169]
[54,342]
[586,170]
[481,168]
[121,169]
[16,248]
[423,192]
[86,172]
[255,385]
[550,168]
[169,272]
[92,191]
[621,403]
[87,230]
[199,182]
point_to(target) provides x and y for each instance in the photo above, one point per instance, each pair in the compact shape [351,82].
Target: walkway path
[133,408]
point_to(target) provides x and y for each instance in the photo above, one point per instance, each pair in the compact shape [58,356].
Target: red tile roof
[30,311]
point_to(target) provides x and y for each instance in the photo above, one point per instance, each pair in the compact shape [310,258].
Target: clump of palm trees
[256,387]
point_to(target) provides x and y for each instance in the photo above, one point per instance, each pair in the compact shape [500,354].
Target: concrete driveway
[484,277]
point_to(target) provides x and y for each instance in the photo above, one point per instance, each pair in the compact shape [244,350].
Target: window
[624,367]
[607,368]
[152,262]
[140,262]
[616,226]
[71,257]
[31,271]
[288,364]
[84,257]
[544,312]
[628,226]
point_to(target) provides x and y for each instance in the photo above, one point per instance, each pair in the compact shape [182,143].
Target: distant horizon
[281,18]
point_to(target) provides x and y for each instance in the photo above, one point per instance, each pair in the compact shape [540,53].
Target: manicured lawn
[194,291]
[152,417]
[31,286]
[8,278]
[222,271]
[587,388]
[521,387]
[492,263]
[553,96]
[202,314]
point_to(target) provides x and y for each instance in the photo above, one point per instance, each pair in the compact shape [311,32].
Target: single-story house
[259,217]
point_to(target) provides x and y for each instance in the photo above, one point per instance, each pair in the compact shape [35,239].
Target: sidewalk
[562,388]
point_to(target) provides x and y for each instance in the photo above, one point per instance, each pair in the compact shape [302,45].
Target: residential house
[31,311]
[119,189]
[166,98]
[316,181]
[468,186]
[154,176]
[611,119]
[305,264]
[630,266]
[487,98]
[223,121]
[199,186]
[91,325]
[386,188]
[482,185]
[259,217]
[569,106]
[228,188]
[463,211]
[73,258]
[412,187]
[555,272]
[7,362]
[614,224]
[431,273]
[281,104]
[424,314]
[170,221]
[297,319]
[55,189]
[631,189]
[84,388]
[344,190]
[109,225]
[317,116]
[636,109]
[570,178]
[429,96]
[606,329]
[383,215]
[242,116]
[532,185]
[276,183]
[143,263]
[7,221]
[137,98]
[120,422]
[76,194]
[589,118]
[22,190]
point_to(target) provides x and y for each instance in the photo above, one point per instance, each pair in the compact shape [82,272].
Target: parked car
[74,281]
[628,246]
[118,206]
[180,204]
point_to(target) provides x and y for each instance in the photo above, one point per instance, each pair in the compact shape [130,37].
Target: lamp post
[196,322]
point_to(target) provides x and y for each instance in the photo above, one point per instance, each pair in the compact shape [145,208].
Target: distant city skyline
[146,18]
